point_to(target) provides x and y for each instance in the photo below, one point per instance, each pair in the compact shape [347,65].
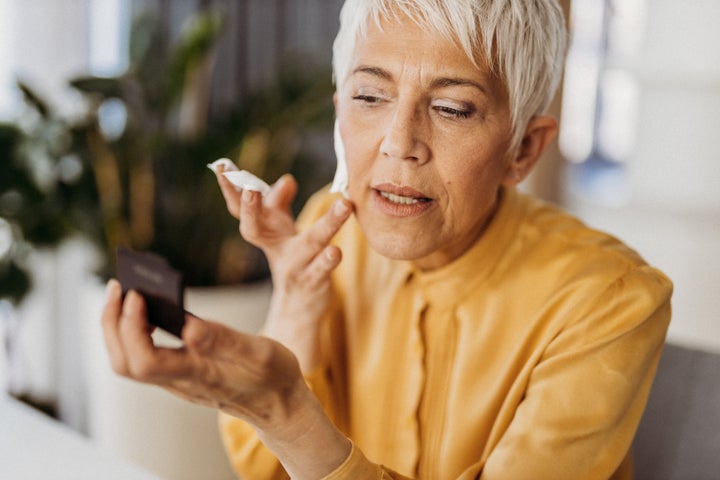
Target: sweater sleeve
[587,393]
[357,467]
[249,458]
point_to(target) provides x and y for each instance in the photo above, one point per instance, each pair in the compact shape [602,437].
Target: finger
[282,194]
[328,225]
[145,362]
[233,198]
[319,269]
[134,337]
[215,340]
[110,319]
[251,216]
[258,357]
[307,246]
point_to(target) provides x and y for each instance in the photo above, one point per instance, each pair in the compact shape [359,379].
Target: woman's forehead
[399,27]
[398,45]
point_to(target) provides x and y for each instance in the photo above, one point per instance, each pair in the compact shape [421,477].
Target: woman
[437,321]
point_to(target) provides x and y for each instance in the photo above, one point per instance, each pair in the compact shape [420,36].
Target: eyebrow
[440,82]
[454,82]
[374,71]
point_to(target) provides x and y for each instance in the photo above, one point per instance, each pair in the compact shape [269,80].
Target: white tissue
[228,165]
[244,180]
[241,179]
[340,182]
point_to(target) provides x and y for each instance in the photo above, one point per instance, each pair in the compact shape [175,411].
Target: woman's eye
[452,112]
[367,99]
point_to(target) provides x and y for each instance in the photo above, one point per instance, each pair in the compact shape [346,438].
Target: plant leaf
[34,99]
[103,86]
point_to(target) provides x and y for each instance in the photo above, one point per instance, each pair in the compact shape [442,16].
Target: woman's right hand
[300,262]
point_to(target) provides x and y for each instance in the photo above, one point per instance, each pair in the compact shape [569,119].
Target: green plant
[137,158]
[44,196]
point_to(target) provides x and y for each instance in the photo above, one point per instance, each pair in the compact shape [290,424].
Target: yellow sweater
[530,357]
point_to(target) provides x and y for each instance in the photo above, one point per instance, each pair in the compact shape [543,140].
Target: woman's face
[425,134]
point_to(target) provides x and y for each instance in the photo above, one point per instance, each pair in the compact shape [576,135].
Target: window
[601,94]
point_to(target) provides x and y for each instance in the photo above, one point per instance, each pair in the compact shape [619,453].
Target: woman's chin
[400,246]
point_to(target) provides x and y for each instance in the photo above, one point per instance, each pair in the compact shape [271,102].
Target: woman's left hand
[251,377]
[216,367]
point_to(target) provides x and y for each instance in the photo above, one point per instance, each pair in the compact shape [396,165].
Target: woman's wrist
[307,443]
[297,335]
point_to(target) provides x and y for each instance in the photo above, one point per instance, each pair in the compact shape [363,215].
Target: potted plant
[132,169]
[43,200]
[155,193]
[153,187]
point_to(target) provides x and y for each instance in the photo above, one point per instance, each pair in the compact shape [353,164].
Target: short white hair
[527,50]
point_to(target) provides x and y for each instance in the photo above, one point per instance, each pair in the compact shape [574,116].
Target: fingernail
[111,288]
[132,301]
[332,254]
[341,208]
[247,196]
[201,336]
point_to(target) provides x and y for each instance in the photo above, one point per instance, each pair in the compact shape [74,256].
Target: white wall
[50,43]
[45,43]
[673,218]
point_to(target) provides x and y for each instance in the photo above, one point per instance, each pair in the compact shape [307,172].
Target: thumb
[282,193]
[197,334]
[215,340]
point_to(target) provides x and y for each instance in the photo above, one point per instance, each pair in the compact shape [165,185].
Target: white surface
[34,446]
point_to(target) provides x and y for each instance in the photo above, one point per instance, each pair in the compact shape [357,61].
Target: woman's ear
[540,131]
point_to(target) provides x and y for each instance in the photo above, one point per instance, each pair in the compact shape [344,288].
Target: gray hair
[527,50]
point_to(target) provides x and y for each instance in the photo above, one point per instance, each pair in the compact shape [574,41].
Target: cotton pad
[241,179]
[340,182]
[244,180]
[226,163]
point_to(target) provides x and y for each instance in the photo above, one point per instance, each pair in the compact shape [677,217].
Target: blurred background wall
[644,165]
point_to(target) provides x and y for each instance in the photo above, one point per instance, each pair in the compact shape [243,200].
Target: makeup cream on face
[241,179]
[340,182]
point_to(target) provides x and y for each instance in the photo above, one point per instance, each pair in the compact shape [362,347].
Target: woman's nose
[404,137]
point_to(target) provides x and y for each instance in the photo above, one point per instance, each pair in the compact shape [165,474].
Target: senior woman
[437,323]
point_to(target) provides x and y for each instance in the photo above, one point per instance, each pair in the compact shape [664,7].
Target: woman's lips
[399,201]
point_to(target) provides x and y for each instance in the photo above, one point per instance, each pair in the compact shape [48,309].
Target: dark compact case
[160,285]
